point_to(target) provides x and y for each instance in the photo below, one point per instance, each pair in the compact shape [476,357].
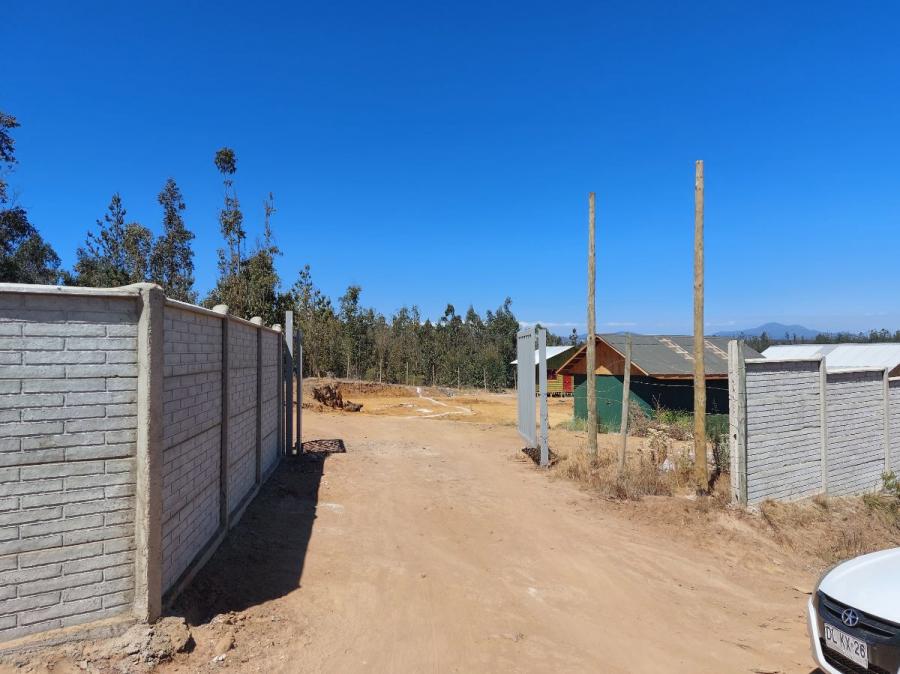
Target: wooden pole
[407,373]
[591,327]
[701,471]
[626,396]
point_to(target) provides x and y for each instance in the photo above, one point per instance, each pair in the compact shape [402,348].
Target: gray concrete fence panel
[114,406]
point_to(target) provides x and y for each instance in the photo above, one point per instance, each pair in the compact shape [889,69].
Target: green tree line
[764,340]
[342,338]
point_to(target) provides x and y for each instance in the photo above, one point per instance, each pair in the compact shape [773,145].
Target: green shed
[662,375]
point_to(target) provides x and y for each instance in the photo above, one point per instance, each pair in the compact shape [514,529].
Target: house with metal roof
[557,384]
[843,356]
[662,374]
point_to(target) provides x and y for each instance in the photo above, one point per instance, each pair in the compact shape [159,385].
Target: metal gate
[525,385]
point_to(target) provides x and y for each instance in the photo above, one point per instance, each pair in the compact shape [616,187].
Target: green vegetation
[764,341]
[343,338]
[24,256]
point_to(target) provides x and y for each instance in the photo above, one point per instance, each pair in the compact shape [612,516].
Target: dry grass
[818,532]
[643,475]
[835,529]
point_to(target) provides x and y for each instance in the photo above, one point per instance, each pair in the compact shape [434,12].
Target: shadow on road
[263,556]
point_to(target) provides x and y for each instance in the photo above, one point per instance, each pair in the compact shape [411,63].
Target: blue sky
[432,152]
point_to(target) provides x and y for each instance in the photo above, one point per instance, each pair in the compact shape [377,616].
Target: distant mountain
[773,330]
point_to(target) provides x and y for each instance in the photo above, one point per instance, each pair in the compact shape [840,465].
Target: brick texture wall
[69,392]
[242,411]
[192,433]
[68,380]
[270,358]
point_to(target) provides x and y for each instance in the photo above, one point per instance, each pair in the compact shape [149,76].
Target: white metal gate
[525,385]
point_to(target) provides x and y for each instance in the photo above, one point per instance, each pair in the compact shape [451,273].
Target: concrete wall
[784,439]
[114,486]
[242,385]
[67,445]
[894,418]
[192,417]
[856,442]
[271,373]
[798,431]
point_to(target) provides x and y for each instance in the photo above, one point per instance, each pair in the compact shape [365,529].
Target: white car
[854,616]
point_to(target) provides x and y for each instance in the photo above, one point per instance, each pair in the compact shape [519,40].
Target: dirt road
[429,547]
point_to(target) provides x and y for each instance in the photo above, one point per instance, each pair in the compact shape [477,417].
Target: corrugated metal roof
[798,350]
[841,356]
[552,352]
[672,355]
[665,355]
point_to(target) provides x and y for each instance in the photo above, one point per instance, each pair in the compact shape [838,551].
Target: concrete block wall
[783,434]
[856,442]
[797,431]
[68,416]
[115,482]
[242,390]
[894,429]
[271,358]
[192,418]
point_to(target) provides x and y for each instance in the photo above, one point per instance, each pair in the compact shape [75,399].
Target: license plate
[849,647]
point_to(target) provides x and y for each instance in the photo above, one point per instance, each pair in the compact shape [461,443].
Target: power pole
[591,327]
[701,473]
[626,396]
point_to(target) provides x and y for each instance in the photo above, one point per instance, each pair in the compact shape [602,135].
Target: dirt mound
[330,395]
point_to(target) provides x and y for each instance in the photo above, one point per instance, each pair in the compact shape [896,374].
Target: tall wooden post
[591,327]
[701,472]
[626,397]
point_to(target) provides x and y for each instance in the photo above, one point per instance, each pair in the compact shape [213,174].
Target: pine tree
[24,255]
[172,259]
[230,288]
[117,253]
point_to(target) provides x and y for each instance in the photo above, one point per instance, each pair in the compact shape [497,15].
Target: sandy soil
[433,546]
[470,405]
[429,546]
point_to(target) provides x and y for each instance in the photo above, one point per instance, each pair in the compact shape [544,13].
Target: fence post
[737,420]
[887,421]
[223,442]
[148,500]
[289,408]
[258,322]
[626,399]
[279,398]
[299,446]
[823,423]
[542,378]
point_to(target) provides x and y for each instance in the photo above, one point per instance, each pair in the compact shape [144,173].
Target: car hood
[870,583]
